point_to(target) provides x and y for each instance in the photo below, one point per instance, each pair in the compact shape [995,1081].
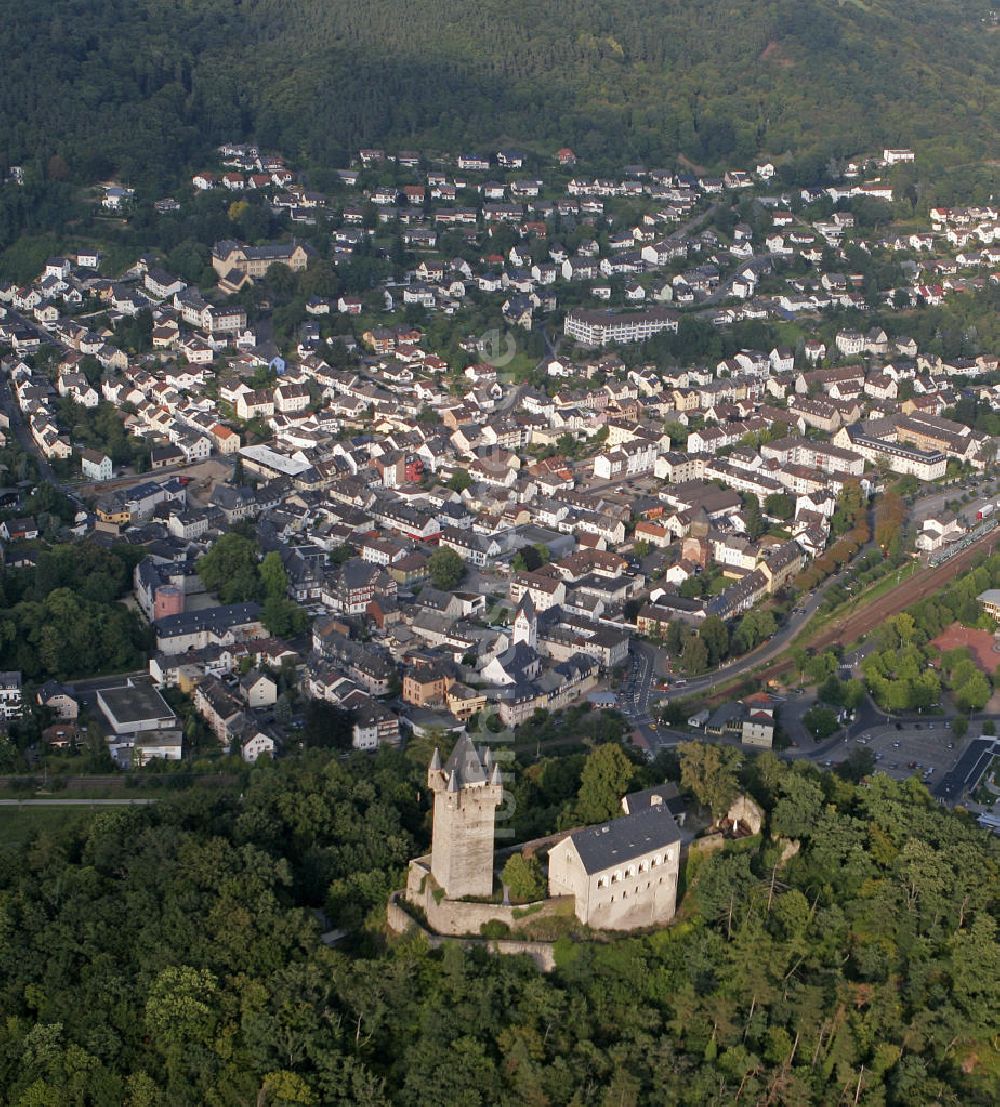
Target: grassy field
[109,786]
[18,824]
[83,791]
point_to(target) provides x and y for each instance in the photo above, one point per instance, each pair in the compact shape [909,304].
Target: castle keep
[467,793]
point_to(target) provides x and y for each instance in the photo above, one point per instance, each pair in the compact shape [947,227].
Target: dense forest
[61,617]
[172,955]
[142,89]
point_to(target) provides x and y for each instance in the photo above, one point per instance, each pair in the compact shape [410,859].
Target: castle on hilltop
[619,875]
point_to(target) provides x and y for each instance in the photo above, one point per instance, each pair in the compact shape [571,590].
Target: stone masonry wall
[542,953]
[457,917]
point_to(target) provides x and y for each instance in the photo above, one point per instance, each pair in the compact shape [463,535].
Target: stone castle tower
[467,792]
[526,622]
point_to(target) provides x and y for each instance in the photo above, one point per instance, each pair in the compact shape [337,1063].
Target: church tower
[526,622]
[467,792]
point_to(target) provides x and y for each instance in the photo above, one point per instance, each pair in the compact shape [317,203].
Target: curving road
[767,651]
[841,631]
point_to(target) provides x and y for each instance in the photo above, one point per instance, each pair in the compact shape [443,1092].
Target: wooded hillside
[169,955]
[142,88]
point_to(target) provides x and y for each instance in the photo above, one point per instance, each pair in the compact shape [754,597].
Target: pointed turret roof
[465,762]
[496,777]
[435,764]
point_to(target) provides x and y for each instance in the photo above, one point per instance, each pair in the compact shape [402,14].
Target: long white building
[602,328]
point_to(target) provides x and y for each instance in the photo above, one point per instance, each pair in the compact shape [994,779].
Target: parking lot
[926,749]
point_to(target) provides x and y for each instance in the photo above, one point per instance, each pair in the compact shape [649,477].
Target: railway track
[872,615]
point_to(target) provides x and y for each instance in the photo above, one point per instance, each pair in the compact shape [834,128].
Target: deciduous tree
[606,776]
[711,774]
[446,568]
[524,879]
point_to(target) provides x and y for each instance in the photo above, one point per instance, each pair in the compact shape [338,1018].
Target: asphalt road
[904,747]
[512,398]
[898,741]
[855,625]
[758,263]
[86,691]
[23,435]
[934,502]
[795,706]
[642,662]
[765,652]
[643,659]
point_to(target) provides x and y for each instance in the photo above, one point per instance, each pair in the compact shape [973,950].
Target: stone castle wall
[457,918]
[542,953]
[745,811]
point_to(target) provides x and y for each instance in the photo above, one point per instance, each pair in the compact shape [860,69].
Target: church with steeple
[526,623]
[521,662]
[467,789]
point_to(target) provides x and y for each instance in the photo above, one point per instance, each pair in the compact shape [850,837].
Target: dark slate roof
[724,713]
[620,841]
[50,689]
[212,618]
[467,762]
[666,795]
[356,573]
[516,658]
[434,599]
[650,797]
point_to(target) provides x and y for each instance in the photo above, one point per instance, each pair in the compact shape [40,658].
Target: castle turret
[466,797]
[437,781]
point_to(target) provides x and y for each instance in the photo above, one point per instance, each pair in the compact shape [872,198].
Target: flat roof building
[135,707]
